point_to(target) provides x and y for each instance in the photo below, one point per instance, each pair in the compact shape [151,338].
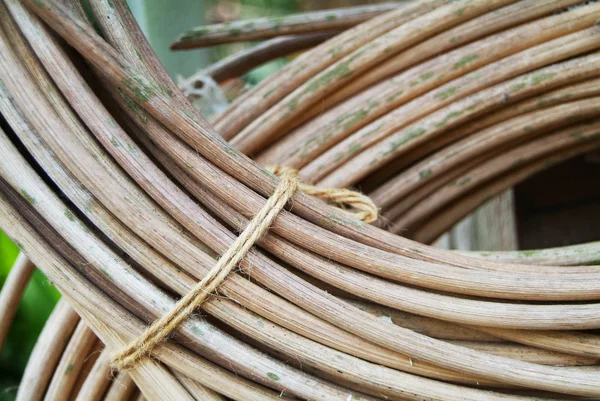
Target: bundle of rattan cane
[114,186]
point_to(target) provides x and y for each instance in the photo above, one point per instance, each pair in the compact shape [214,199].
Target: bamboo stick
[71,362]
[12,290]
[47,351]
[97,381]
[121,388]
[269,27]
[581,254]
[243,61]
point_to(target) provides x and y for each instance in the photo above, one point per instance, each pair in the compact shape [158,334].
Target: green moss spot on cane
[28,197]
[415,132]
[197,330]
[336,219]
[270,92]
[115,141]
[315,142]
[230,151]
[445,94]
[448,117]
[577,134]
[136,108]
[191,116]
[273,376]
[394,96]
[348,221]
[371,131]
[131,149]
[425,173]
[460,11]
[462,182]
[346,121]
[340,70]
[518,87]
[106,274]
[410,134]
[69,215]
[331,17]
[69,369]
[292,104]
[196,32]
[141,92]
[453,114]
[474,105]
[464,61]
[188,165]
[426,76]
[354,148]
[543,102]
[111,122]
[541,77]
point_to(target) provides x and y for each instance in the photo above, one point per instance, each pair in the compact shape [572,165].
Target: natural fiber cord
[161,328]
[365,208]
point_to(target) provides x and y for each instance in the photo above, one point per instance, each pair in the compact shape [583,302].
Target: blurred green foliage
[35,307]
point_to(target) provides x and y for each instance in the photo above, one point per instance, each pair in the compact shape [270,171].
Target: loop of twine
[140,348]
[353,203]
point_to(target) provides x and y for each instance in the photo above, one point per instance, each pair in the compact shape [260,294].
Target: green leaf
[8,254]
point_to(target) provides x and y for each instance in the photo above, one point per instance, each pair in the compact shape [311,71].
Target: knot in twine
[353,203]
[140,348]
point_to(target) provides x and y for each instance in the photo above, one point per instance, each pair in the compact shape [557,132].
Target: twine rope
[353,203]
[158,331]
